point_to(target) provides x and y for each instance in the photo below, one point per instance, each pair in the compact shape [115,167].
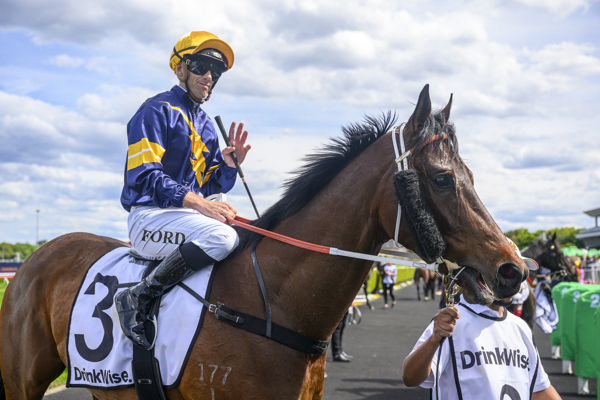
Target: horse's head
[546,251]
[471,236]
[552,256]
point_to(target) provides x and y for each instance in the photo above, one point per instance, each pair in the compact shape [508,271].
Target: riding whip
[235,161]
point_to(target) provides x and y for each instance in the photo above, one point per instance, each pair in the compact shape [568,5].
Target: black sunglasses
[202,66]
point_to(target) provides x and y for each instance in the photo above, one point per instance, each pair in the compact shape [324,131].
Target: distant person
[472,351]
[389,280]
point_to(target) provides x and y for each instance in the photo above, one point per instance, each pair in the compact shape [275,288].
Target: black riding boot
[134,304]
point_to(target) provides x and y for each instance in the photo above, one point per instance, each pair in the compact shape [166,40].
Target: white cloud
[560,8]
[113,103]
[526,95]
[65,60]
[568,59]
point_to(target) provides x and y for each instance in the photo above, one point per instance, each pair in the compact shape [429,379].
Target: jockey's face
[198,85]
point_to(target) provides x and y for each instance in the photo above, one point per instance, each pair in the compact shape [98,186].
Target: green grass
[2,289]
[60,381]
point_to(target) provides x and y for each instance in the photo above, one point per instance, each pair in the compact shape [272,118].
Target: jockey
[174,164]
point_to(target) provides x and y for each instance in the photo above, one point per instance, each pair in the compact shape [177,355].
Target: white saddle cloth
[99,355]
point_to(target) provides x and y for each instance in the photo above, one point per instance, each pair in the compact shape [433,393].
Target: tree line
[564,236]
[17,252]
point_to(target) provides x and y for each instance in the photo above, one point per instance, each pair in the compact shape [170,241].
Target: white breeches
[156,232]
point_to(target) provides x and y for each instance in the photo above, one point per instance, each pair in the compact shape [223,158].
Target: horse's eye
[443,181]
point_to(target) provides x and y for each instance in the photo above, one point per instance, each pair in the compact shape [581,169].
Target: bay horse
[343,197]
[425,280]
[546,252]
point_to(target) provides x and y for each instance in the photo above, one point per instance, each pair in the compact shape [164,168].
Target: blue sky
[525,76]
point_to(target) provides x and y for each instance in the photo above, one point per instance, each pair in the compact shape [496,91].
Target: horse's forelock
[436,125]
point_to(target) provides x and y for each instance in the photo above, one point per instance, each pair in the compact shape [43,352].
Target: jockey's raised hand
[237,138]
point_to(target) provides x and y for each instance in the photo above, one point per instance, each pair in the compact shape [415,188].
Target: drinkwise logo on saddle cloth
[99,355]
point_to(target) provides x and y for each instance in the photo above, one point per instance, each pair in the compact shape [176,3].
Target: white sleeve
[542,381]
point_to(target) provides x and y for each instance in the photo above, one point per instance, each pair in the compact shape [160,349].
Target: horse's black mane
[319,169]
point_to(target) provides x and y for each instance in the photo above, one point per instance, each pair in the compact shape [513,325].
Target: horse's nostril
[508,271]
[509,277]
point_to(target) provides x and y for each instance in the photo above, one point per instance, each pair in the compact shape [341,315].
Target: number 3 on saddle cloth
[99,355]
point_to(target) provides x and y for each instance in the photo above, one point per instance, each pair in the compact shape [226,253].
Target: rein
[245,224]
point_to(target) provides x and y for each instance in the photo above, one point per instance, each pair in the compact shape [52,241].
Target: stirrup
[153,321]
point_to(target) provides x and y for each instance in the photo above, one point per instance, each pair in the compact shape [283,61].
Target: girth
[258,326]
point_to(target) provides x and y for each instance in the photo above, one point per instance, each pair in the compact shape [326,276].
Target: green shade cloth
[557,291]
[566,317]
[596,349]
[585,333]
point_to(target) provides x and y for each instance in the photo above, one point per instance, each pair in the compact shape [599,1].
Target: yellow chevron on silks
[208,174]
[198,149]
[143,152]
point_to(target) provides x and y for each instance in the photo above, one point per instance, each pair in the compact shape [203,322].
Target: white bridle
[401,161]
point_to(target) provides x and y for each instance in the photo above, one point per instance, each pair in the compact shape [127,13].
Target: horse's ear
[422,111]
[554,237]
[446,110]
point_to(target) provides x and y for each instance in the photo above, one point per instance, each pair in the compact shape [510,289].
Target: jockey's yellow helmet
[197,41]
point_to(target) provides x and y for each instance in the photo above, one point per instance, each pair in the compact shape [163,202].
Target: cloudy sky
[525,76]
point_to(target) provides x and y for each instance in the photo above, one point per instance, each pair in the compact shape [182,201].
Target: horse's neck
[318,288]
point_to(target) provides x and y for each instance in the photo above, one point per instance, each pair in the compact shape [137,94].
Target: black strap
[146,375]
[537,366]
[281,334]
[146,369]
[176,53]
[437,372]
[263,290]
[454,368]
